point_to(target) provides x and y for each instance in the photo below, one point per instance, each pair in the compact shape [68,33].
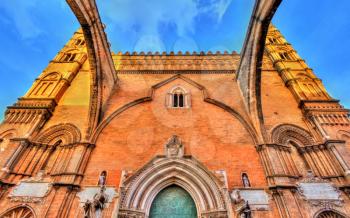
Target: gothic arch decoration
[284,133]
[343,135]
[22,211]
[5,137]
[329,213]
[67,133]
[178,97]
[140,189]
[206,98]
[45,85]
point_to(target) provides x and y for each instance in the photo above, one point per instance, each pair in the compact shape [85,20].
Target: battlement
[203,62]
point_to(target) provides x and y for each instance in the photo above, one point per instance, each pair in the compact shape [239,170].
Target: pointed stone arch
[329,213]
[284,133]
[22,211]
[67,133]
[206,97]
[139,190]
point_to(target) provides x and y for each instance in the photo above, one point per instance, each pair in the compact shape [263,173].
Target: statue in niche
[246,212]
[102,179]
[99,202]
[245,180]
[174,147]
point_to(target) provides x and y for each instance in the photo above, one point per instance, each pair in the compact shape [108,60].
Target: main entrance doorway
[173,202]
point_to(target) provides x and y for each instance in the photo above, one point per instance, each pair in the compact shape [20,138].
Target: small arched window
[178,98]
[245,180]
[69,57]
[273,40]
[79,42]
[285,56]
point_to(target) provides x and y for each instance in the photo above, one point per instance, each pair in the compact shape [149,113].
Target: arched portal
[173,202]
[141,190]
[329,214]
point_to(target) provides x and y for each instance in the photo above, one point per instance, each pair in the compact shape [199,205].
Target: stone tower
[174,126]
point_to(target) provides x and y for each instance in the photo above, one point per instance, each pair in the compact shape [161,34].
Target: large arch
[139,190]
[329,213]
[206,98]
[104,76]
[249,71]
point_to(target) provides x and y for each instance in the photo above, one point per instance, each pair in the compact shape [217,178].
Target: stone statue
[87,209]
[174,147]
[236,197]
[246,211]
[99,202]
[245,180]
[102,178]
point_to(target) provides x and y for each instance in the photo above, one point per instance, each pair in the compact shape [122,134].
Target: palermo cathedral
[176,135]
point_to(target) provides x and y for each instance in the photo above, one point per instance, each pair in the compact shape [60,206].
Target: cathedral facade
[175,137]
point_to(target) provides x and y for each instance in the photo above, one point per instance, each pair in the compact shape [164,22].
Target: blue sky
[32,32]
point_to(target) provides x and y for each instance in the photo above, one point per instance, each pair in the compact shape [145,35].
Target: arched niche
[5,138]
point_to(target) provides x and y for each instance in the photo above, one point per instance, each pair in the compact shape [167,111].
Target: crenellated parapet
[171,62]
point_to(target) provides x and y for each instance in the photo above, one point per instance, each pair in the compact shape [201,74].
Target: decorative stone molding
[139,190]
[89,192]
[19,211]
[67,132]
[174,147]
[285,132]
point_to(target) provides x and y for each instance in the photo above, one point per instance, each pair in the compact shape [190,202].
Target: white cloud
[145,16]
[20,13]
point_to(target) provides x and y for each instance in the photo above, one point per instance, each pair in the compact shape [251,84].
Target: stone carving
[87,209]
[282,133]
[257,198]
[246,212]
[236,196]
[137,190]
[174,147]
[95,199]
[319,192]
[67,132]
[88,193]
